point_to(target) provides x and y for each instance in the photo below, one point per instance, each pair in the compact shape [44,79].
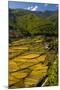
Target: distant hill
[44,13]
[54,17]
[20,12]
[23,23]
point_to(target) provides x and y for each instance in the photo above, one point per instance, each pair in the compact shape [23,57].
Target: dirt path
[44,82]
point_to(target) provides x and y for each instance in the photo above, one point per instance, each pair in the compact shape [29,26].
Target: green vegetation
[26,24]
[53,74]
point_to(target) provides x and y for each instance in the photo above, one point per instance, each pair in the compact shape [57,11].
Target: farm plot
[26,63]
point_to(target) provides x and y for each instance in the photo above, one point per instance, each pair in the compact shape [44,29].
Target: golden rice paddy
[28,67]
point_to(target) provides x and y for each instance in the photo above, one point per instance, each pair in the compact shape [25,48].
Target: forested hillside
[24,23]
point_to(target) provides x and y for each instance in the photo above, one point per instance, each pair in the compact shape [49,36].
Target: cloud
[32,8]
[29,8]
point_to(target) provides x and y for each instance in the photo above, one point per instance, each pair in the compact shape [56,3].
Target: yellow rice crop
[39,67]
[12,66]
[30,56]
[38,41]
[20,47]
[19,74]
[12,79]
[28,59]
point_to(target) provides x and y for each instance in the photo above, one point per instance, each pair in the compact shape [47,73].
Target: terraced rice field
[26,63]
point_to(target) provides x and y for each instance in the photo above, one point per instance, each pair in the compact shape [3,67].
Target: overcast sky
[32,6]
